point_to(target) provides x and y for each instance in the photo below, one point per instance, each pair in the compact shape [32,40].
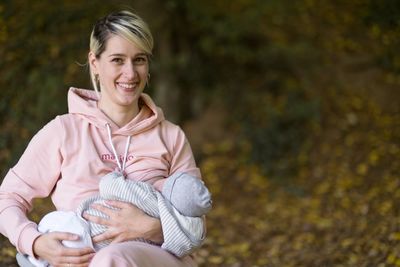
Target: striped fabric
[182,234]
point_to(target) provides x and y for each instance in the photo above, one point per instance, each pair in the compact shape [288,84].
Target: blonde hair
[122,23]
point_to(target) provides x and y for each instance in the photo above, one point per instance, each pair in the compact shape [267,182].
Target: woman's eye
[117,60]
[140,60]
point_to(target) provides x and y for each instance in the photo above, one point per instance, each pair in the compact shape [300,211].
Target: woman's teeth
[127,85]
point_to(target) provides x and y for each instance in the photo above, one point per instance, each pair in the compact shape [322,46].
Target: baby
[184,199]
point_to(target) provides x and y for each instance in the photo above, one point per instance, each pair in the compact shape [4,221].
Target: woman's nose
[129,70]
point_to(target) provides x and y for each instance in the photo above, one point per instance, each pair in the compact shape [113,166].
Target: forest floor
[341,210]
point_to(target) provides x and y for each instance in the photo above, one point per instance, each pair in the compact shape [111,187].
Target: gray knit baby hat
[188,194]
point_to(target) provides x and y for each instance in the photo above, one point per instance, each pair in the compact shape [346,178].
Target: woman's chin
[128,100]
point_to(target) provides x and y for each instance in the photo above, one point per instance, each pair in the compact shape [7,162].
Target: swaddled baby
[184,199]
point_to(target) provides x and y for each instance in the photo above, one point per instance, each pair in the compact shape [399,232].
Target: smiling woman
[70,166]
[122,71]
[120,47]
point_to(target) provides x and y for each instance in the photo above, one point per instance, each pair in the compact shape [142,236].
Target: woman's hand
[126,222]
[49,247]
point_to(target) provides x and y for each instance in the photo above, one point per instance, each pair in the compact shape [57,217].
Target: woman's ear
[92,61]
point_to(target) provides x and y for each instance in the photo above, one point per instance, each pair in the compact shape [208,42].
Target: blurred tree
[275,66]
[42,53]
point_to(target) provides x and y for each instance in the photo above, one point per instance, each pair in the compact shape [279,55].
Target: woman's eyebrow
[117,55]
[123,55]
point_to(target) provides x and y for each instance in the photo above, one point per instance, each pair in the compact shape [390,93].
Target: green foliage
[42,53]
[258,71]
[383,19]
[278,133]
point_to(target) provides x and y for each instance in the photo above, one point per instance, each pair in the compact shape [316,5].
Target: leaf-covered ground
[340,209]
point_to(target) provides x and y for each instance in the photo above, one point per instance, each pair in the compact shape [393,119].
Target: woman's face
[123,71]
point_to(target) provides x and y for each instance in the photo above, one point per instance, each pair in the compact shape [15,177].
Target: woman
[71,153]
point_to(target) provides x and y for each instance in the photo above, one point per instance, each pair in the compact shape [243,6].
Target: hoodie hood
[84,103]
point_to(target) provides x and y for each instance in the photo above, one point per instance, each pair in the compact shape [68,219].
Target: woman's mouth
[127,87]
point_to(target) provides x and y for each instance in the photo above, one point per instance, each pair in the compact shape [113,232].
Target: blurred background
[291,108]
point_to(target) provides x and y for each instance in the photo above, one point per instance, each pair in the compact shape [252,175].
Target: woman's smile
[127,87]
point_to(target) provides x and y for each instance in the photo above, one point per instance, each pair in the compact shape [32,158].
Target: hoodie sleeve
[182,156]
[182,159]
[34,176]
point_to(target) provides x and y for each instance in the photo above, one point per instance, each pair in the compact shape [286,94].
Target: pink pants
[138,254]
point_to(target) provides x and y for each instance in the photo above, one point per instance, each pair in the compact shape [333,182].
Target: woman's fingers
[118,239]
[81,260]
[107,235]
[77,261]
[125,222]
[116,209]
[74,252]
[50,248]
[108,211]
[96,219]
[78,252]
[64,236]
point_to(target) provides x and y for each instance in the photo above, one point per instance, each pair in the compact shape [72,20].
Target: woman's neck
[120,115]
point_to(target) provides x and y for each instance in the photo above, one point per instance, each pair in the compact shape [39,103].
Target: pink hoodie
[69,155]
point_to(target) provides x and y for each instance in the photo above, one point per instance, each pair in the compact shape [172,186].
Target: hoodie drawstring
[128,141]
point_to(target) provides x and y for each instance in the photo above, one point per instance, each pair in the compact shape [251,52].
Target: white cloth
[64,221]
